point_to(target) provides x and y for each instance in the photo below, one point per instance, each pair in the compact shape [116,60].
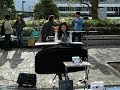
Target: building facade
[112,7]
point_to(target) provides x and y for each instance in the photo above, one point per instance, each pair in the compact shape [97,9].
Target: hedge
[107,26]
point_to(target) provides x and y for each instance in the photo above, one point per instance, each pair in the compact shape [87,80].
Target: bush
[27,31]
[103,26]
[102,23]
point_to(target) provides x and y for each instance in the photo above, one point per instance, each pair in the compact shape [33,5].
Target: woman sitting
[62,35]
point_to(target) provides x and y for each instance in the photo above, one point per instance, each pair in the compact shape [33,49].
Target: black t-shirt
[48,28]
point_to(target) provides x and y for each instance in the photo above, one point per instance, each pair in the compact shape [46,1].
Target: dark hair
[19,16]
[59,29]
[78,13]
[7,17]
[51,17]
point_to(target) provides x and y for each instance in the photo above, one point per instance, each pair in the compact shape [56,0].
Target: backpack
[2,29]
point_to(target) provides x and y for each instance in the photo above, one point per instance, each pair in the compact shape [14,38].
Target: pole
[23,8]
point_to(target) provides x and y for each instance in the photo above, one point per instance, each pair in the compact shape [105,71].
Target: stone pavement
[22,61]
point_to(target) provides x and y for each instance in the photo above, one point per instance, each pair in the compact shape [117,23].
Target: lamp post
[23,8]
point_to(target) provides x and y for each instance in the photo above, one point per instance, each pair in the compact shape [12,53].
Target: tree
[7,7]
[93,8]
[44,8]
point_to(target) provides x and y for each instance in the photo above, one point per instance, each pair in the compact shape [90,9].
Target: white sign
[102,13]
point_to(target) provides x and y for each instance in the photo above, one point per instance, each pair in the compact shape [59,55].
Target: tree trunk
[94,8]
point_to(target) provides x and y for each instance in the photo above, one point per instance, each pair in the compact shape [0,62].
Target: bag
[35,35]
[2,29]
[26,80]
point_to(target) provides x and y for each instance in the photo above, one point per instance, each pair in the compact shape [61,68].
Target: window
[85,0]
[85,9]
[102,0]
[62,8]
[110,9]
[117,0]
[116,8]
[73,8]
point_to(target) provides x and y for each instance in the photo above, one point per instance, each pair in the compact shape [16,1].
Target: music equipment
[26,80]
[50,60]
[65,84]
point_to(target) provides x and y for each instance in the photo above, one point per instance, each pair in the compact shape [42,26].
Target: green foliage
[101,23]
[7,7]
[44,8]
[35,23]
[28,31]
[103,26]
[86,23]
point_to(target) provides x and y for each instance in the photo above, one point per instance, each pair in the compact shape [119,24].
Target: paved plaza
[22,61]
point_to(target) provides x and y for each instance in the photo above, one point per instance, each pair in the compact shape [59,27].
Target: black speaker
[26,80]
[65,84]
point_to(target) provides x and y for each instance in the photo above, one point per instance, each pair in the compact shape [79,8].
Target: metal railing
[98,40]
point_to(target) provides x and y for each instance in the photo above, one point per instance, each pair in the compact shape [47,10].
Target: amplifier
[65,84]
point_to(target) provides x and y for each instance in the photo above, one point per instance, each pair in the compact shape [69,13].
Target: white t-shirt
[8,27]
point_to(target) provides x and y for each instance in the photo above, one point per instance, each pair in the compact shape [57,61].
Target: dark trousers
[44,36]
[19,38]
[76,35]
[7,41]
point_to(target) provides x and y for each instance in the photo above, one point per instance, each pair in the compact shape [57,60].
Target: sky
[28,5]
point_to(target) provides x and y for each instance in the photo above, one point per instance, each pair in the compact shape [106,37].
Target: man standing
[47,29]
[77,26]
[8,31]
[19,25]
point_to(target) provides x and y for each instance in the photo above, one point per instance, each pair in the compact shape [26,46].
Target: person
[8,31]
[19,25]
[47,29]
[62,32]
[77,26]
